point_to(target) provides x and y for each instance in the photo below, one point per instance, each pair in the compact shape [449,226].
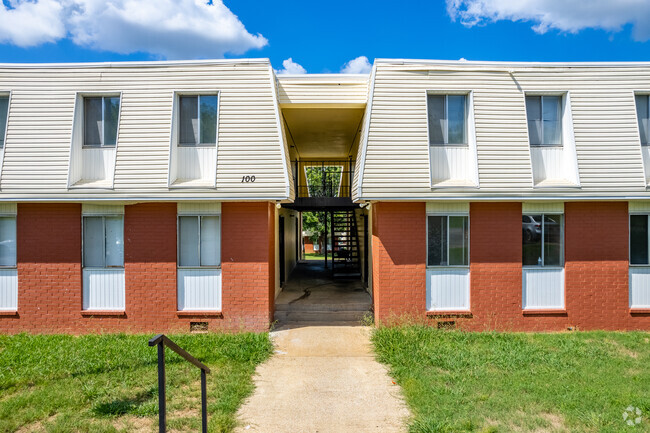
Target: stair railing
[162,341]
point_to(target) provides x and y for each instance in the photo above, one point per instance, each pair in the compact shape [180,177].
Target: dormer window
[198,120]
[643,117]
[4,111]
[447,119]
[544,120]
[101,116]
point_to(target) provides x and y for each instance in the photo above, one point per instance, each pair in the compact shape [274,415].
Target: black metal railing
[162,341]
[323,178]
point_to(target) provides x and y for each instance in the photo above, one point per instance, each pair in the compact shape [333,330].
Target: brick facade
[50,271]
[596,267]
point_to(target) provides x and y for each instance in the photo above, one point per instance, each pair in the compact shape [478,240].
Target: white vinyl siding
[543,288]
[602,111]
[36,164]
[103,261]
[199,259]
[8,271]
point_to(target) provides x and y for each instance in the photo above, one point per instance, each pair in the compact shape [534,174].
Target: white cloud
[564,15]
[291,67]
[167,28]
[360,65]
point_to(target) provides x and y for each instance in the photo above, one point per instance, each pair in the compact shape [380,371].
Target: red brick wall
[50,273]
[398,259]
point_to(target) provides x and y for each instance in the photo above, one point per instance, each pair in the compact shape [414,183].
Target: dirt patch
[134,424]
[623,350]
[36,426]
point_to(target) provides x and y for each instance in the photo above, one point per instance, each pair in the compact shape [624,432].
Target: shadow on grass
[143,403]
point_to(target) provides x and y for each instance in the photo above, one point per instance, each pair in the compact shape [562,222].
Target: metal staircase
[345,245]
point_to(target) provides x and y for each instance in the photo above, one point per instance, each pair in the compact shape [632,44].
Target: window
[199,241]
[4,111]
[447,240]
[543,240]
[544,120]
[8,241]
[447,119]
[643,116]
[101,116]
[103,242]
[639,240]
[198,120]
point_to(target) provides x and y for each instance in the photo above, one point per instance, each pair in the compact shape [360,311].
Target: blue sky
[323,36]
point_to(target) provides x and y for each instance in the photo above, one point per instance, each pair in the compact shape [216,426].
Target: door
[282,251]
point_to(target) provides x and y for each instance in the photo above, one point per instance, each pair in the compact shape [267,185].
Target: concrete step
[319,316]
[323,307]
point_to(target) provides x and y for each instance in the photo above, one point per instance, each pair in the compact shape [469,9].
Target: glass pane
[189,241]
[458,240]
[210,241]
[534,115]
[639,239]
[642,113]
[437,241]
[4,110]
[111,115]
[436,113]
[532,240]
[189,120]
[114,241]
[456,119]
[552,116]
[93,242]
[553,240]
[7,241]
[208,119]
[93,122]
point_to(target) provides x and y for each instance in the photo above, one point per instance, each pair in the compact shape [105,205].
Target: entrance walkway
[323,379]
[312,295]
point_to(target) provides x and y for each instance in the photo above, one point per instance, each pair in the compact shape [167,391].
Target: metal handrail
[163,341]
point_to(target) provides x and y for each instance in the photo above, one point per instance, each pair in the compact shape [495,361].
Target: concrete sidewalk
[323,379]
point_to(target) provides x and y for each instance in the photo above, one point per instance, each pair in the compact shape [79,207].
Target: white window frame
[198,108]
[541,95]
[448,214]
[178,241]
[638,119]
[445,132]
[85,96]
[83,246]
[543,265]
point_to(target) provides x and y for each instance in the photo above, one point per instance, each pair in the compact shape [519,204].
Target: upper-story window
[447,119]
[101,115]
[198,120]
[4,111]
[643,116]
[544,120]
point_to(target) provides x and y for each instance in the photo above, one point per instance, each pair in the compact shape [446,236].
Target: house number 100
[246,179]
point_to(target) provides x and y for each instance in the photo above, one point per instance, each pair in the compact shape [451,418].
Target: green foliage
[456,381]
[104,383]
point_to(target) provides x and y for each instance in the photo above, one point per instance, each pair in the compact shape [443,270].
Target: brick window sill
[8,313]
[450,313]
[639,310]
[197,313]
[544,312]
[91,313]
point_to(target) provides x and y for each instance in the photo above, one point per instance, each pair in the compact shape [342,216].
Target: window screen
[642,113]
[8,241]
[447,240]
[101,116]
[544,115]
[4,112]
[447,117]
[199,241]
[543,240]
[639,240]
[103,241]
[198,120]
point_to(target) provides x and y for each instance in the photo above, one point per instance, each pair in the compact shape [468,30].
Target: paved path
[323,379]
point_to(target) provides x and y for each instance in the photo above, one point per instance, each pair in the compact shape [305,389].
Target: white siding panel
[639,287]
[324,89]
[199,208]
[8,289]
[448,289]
[542,207]
[543,288]
[448,207]
[199,289]
[196,163]
[98,163]
[103,289]
[645,151]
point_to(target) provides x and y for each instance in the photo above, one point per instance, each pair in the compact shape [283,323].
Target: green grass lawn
[457,381]
[314,256]
[108,383]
